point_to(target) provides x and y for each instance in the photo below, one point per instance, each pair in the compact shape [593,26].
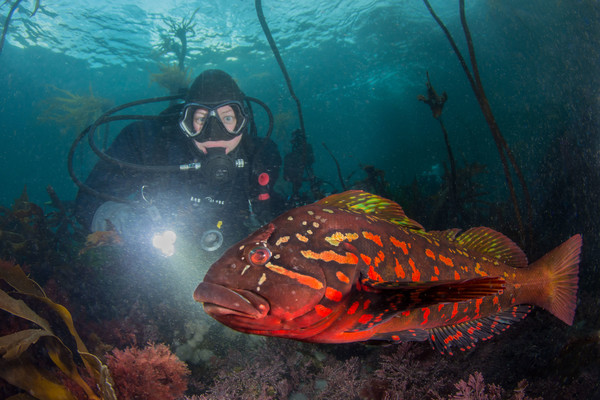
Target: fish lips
[221,301]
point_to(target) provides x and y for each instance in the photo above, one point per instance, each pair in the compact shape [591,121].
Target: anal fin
[464,335]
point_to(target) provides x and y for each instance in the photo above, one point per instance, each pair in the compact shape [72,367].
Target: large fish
[353,267]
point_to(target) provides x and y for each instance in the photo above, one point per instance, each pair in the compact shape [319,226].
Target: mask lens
[195,118]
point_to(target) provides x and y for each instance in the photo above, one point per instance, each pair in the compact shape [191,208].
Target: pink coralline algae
[151,373]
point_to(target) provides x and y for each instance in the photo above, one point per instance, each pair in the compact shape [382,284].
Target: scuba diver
[227,193]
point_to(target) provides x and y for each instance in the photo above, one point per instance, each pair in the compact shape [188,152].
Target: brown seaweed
[17,364]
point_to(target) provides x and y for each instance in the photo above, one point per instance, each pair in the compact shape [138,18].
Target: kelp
[11,11]
[506,155]
[73,110]
[17,363]
[180,30]
[436,103]
[172,78]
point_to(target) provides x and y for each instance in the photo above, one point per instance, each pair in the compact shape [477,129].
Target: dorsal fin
[492,244]
[448,235]
[370,204]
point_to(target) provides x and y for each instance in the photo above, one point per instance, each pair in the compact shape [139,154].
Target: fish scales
[353,267]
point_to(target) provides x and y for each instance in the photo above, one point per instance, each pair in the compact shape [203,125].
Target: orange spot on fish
[463,319]
[353,307]
[456,275]
[374,275]
[330,255]
[405,313]
[399,270]
[478,305]
[440,306]
[404,248]
[435,278]
[416,274]
[306,280]
[322,310]
[426,312]
[430,254]
[333,294]
[365,318]
[376,261]
[479,271]
[301,238]
[395,337]
[342,277]
[496,300]
[366,259]
[446,260]
[454,310]
[395,241]
[436,270]
[452,338]
[374,238]
[367,304]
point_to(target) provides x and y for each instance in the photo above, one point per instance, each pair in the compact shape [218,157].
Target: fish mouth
[221,301]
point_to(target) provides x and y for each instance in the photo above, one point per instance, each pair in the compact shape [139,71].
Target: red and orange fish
[353,267]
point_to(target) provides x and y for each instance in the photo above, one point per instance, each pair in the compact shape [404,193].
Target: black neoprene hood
[214,87]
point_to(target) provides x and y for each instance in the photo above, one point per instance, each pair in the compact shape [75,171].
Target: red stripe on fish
[430,254]
[342,277]
[374,238]
[330,255]
[322,310]
[399,270]
[416,274]
[303,279]
[333,294]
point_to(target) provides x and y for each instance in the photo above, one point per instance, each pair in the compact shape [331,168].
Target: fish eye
[259,255]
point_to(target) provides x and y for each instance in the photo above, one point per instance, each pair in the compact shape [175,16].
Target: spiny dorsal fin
[492,244]
[448,235]
[466,334]
[370,204]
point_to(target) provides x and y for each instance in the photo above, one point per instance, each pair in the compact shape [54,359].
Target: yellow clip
[219,224]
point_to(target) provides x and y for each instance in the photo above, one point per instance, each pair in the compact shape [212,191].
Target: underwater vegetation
[20,368]
[177,30]
[172,78]
[150,373]
[72,110]
[284,370]
[523,219]
[13,8]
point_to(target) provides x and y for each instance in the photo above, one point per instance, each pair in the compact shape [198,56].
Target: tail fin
[561,266]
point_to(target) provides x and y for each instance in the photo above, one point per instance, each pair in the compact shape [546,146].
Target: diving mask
[221,122]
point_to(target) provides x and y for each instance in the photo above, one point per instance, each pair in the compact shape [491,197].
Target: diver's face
[228,118]
[225,114]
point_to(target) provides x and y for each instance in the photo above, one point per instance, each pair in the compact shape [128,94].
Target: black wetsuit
[187,197]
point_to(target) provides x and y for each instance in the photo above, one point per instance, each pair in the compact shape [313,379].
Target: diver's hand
[126,219]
